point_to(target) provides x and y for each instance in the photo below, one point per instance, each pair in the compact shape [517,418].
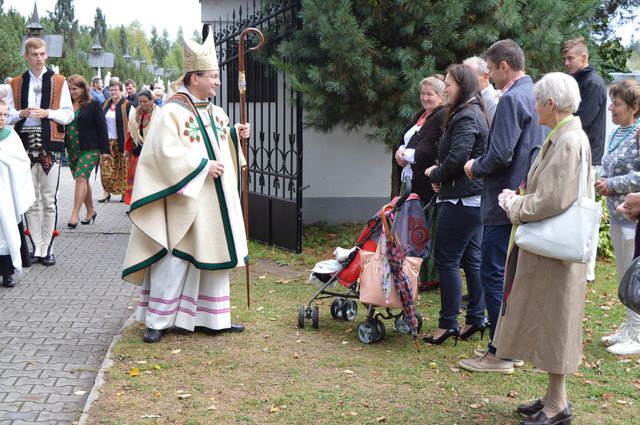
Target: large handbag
[371,291]
[569,236]
[629,289]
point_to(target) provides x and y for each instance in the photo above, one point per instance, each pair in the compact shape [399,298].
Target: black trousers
[6,265]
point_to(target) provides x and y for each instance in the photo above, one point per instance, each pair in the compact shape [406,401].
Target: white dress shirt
[63,115]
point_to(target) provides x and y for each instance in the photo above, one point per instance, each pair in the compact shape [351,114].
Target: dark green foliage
[12,24]
[358,62]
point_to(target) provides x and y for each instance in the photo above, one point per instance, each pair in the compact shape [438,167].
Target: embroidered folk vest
[52,83]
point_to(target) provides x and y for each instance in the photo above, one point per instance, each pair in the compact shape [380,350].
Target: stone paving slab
[58,322]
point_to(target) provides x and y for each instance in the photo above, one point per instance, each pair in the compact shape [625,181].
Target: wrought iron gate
[275,113]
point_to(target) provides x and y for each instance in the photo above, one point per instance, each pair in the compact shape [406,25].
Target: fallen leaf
[433,365]
[121,393]
[476,405]
[295,355]
[262,277]
[157,367]
[212,407]
[513,394]
[350,413]
[274,409]
[348,372]
[79,392]
[454,369]
[298,340]
[141,362]
[623,402]
[183,396]
[382,419]
[175,351]
[134,371]
[345,342]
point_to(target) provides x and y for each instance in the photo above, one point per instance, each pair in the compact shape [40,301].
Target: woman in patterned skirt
[138,127]
[117,111]
[86,139]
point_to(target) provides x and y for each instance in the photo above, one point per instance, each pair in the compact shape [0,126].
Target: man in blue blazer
[514,131]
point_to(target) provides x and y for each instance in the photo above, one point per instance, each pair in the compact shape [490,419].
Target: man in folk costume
[16,196]
[39,108]
[188,230]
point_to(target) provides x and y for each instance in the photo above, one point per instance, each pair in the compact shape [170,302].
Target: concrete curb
[106,364]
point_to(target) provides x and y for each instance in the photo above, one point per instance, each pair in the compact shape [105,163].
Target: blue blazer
[514,131]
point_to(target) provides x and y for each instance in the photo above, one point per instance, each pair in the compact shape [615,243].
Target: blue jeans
[495,243]
[458,244]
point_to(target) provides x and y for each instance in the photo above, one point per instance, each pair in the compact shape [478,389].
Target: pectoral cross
[37,90]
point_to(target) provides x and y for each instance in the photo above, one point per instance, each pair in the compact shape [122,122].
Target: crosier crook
[242,87]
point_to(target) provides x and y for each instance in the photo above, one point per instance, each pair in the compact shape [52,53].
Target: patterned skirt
[113,171]
[131,174]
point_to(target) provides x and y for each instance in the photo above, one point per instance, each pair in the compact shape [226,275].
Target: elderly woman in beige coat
[541,319]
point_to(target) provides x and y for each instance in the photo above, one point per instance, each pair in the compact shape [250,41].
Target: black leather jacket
[465,138]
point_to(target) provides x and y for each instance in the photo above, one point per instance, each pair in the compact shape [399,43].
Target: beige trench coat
[543,319]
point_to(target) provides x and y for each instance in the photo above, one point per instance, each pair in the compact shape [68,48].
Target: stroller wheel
[380,328]
[336,308]
[301,317]
[367,332]
[315,317]
[349,310]
[402,326]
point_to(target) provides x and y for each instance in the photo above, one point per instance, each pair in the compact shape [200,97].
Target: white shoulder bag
[570,236]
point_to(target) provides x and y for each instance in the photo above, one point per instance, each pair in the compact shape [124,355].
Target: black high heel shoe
[71,225]
[105,199]
[88,221]
[473,329]
[445,336]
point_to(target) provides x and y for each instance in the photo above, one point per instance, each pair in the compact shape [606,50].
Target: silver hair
[478,63]
[560,87]
[435,83]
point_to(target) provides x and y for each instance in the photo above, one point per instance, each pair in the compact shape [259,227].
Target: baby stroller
[411,226]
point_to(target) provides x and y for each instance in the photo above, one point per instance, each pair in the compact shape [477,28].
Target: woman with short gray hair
[543,307]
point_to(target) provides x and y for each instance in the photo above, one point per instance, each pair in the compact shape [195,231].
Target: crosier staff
[242,86]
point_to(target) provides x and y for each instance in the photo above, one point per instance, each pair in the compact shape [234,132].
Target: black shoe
[105,199]
[540,418]
[49,260]
[92,219]
[473,329]
[71,225]
[8,281]
[445,336]
[529,409]
[152,335]
[235,328]
[34,259]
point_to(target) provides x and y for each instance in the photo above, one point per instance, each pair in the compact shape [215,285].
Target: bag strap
[533,154]
[583,174]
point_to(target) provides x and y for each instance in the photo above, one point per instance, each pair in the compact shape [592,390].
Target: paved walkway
[56,325]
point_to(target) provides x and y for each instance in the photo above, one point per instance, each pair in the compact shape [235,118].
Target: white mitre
[196,57]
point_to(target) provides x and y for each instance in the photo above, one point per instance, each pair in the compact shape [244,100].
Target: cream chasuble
[174,209]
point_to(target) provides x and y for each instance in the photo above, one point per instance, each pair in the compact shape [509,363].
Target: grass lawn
[276,373]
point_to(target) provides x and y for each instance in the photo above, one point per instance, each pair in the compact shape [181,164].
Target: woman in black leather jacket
[459,225]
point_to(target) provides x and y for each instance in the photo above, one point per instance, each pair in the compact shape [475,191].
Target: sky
[164,14]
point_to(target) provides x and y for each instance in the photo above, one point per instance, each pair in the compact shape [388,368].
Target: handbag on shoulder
[569,236]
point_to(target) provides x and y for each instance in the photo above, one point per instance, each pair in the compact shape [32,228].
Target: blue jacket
[514,131]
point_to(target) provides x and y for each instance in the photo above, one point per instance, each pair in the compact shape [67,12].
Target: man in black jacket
[593,106]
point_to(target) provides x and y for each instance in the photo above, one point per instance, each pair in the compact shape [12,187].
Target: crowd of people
[489,158]
[182,188]
[493,158]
